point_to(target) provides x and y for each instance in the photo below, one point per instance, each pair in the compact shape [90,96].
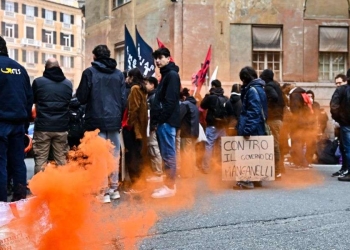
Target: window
[30,11]
[333,52]
[30,57]
[29,32]
[267,50]
[67,61]
[13,54]
[49,37]
[10,6]
[66,18]
[119,55]
[118,3]
[67,40]
[49,15]
[10,30]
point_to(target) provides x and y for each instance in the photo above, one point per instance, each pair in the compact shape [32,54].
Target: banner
[247,160]
[130,52]
[161,45]
[201,74]
[213,76]
[145,58]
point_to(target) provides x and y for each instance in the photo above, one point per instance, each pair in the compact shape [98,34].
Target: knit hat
[267,75]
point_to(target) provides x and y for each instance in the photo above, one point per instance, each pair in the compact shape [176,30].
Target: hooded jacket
[254,103]
[189,116]
[340,105]
[102,89]
[236,103]
[52,95]
[16,96]
[166,107]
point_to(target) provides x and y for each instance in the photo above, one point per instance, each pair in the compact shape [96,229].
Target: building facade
[35,30]
[302,41]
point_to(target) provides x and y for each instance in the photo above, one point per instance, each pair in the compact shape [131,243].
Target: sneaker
[104,198]
[133,191]
[341,173]
[155,179]
[278,177]
[114,194]
[345,177]
[244,185]
[164,192]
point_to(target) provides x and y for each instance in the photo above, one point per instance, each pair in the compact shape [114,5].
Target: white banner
[251,159]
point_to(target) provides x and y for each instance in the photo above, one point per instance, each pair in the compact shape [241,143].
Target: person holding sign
[254,111]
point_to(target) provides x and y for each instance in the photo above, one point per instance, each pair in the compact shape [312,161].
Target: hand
[246,137]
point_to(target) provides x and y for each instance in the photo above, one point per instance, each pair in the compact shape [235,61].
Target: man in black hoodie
[16,100]
[275,107]
[52,94]
[165,113]
[102,89]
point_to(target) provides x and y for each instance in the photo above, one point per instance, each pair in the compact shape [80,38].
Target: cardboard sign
[247,160]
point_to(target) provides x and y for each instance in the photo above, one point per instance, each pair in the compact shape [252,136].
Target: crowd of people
[167,130]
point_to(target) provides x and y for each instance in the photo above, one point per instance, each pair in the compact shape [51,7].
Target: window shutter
[54,15]
[333,39]
[3,4]
[43,13]
[3,28]
[267,38]
[72,19]
[72,40]
[61,61]
[16,7]
[23,9]
[24,56]
[61,39]
[16,54]
[43,37]
[36,53]
[61,17]
[36,11]
[16,30]
[43,58]
[54,37]
[72,62]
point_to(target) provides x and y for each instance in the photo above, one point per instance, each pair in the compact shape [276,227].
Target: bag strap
[262,111]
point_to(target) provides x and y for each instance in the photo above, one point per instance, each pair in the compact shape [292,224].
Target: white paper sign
[251,159]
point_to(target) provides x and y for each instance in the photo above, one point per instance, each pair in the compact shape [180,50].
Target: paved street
[306,210]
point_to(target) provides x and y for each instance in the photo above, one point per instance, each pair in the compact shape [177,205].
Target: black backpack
[220,112]
[76,123]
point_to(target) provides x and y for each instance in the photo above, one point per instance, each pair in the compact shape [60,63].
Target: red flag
[161,45]
[201,74]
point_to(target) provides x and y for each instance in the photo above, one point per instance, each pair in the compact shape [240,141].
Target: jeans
[213,134]
[166,140]
[113,136]
[345,136]
[12,154]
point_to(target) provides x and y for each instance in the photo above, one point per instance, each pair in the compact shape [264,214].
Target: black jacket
[236,103]
[102,89]
[275,101]
[340,105]
[16,96]
[189,116]
[209,103]
[52,94]
[166,107]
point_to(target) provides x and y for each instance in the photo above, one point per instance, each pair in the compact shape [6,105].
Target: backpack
[76,123]
[220,113]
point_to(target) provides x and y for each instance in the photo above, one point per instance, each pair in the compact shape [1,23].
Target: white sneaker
[164,192]
[114,194]
[104,198]
[155,179]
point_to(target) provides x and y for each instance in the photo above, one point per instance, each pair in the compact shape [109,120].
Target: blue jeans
[113,136]
[12,154]
[166,140]
[345,135]
[213,134]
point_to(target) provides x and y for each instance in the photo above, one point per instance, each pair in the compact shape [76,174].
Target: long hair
[137,79]
[247,74]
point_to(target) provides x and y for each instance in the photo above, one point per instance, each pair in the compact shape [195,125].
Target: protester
[16,101]
[236,104]
[52,94]
[254,111]
[152,142]
[340,108]
[102,89]
[275,107]
[321,115]
[219,113]
[189,131]
[165,114]
[135,131]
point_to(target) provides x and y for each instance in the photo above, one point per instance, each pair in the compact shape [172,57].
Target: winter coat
[209,103]
[16,96]
[235,100]
[52,95]
[275,101]
[189,116]
[137,112]
[340,105]
[166,107]
[102,89]
[251,120]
